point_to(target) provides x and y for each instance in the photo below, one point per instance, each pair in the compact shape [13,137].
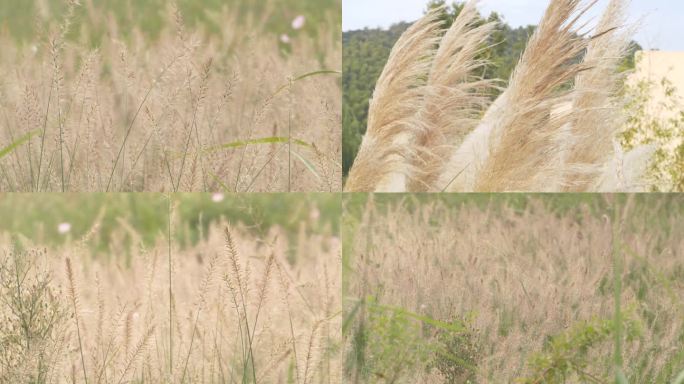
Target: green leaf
[17,143]
[458,360]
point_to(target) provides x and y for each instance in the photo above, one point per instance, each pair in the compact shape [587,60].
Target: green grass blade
[349,318]
[453,327]
[304,76]
[620,377]
[617,295]
[679,379]
[316,73]
[219,182]
[263,140]
[307,164]
[17,143]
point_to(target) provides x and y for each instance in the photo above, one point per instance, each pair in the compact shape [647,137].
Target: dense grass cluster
[190,110]
[459,293]
[233,309]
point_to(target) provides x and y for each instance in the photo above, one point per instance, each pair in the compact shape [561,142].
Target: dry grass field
[235,110]
[234,308]
[450,291]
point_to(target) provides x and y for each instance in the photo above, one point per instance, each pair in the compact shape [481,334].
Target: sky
[661,21]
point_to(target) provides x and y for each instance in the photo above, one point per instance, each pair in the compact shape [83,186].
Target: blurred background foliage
[663,129]
[365,53]
[23,19]
[653,208]
[125,217]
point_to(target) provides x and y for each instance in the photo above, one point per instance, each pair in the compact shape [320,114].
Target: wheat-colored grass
[188,111]
[235,308]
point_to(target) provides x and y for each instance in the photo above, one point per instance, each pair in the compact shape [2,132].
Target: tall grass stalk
[289,144]
[137,112]
[170,282]
[73,296]
[617,295]
[42,140]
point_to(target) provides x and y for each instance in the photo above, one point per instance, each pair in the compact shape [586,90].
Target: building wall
[654,67]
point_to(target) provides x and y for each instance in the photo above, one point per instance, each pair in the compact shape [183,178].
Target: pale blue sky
[661,21]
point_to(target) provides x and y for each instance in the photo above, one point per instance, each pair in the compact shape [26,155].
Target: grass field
[234,307]
[513,289]
[170,97]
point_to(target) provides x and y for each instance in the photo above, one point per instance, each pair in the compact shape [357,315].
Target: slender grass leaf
[679,379]
[307,164]
[304,76]
[620,377]
[263,140]
[17,143]
[425,319]
[349,318]
[219,182]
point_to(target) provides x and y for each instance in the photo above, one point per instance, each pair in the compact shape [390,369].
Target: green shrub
[567,356]
[32,320]
[396,346]
[458,354]
[661,126]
